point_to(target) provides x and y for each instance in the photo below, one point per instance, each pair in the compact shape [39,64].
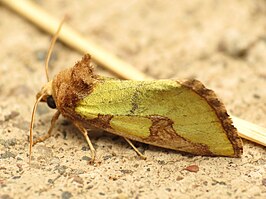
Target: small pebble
[179,178]
[84,148]
[86,158]
[16,177]
[136,165]
[7,154]
[19,158]
[66,195]
[126,171]
[11,142]
[256,96]
[168,189]
[89,187]
[61,169]
[192,168]
[161,162]
[106,157]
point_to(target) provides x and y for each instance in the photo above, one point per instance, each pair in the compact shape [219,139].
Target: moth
[179,115]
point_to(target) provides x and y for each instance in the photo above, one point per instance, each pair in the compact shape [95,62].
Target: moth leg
[49,133]
[135,149]
[85,134]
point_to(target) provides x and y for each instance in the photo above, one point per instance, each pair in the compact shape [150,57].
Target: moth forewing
[164,113]
[181,116]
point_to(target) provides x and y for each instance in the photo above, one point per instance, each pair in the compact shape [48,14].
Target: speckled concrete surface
[221,43]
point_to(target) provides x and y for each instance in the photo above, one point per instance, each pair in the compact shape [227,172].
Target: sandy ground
[221,43]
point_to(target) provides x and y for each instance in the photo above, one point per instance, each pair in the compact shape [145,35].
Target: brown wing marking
[163,134]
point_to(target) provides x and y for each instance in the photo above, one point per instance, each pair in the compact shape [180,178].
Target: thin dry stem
[250,131]
[69,36]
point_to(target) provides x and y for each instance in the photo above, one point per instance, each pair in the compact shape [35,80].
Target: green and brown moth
[183,116]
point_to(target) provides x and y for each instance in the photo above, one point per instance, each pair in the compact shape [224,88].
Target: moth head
[45,95]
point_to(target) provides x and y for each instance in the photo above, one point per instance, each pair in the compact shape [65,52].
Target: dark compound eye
[51,102]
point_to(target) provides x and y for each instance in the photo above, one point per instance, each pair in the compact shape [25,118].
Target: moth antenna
[32,122]
[55,37]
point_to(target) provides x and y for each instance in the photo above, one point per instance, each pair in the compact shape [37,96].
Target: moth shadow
[157,149]
[69,129]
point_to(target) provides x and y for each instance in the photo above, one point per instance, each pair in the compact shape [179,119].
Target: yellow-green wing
[181,116]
